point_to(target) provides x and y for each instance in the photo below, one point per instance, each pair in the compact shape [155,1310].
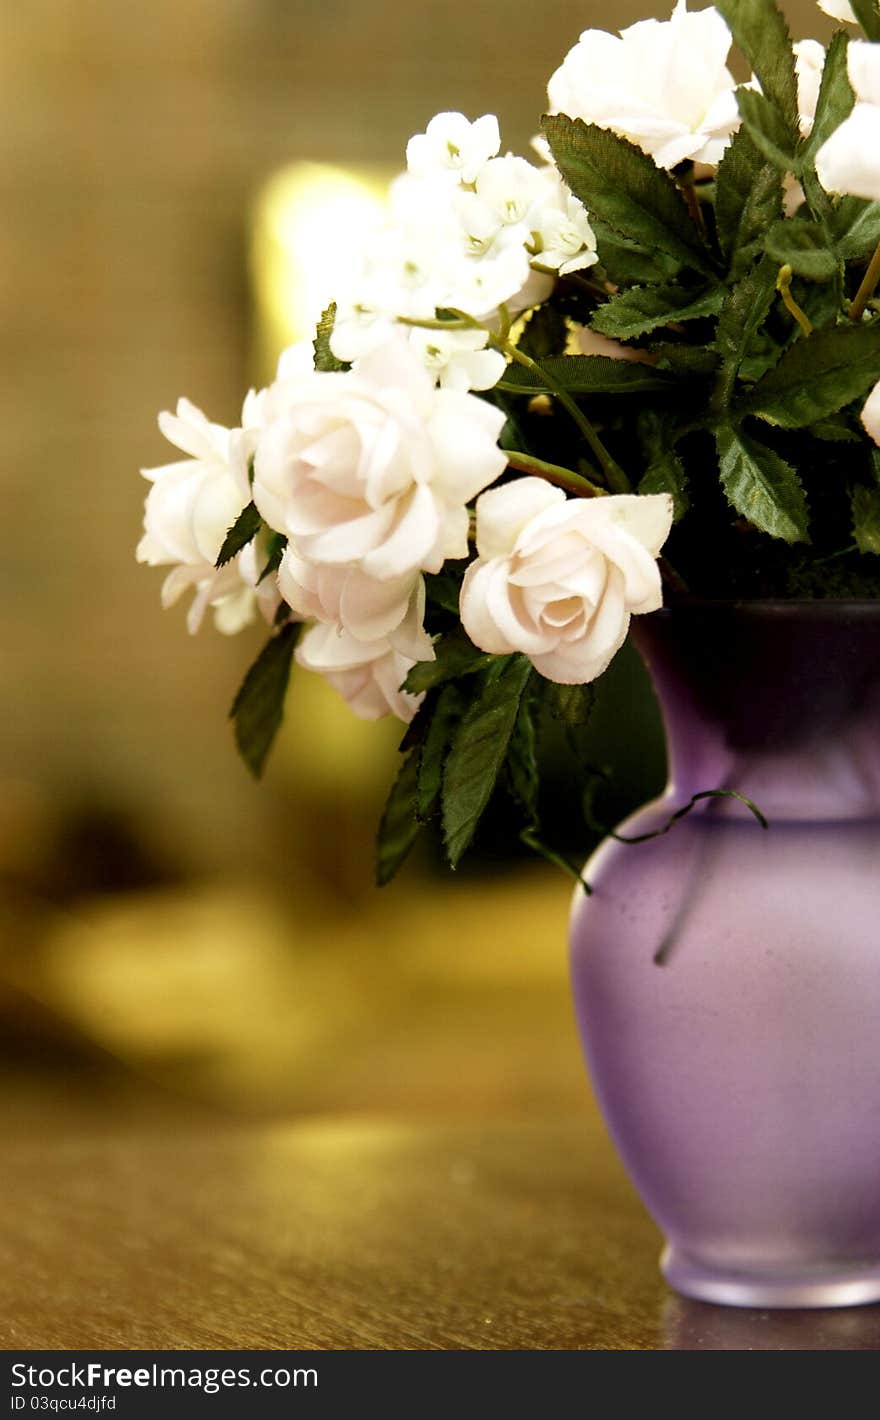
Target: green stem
[867,288]
[783,286]
[554,473]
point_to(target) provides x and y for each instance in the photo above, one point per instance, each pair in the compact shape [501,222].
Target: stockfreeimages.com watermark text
[93,1376]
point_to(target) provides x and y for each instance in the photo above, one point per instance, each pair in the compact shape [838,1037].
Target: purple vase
[727,978]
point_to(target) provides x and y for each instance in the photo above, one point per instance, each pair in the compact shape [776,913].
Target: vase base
[854,1286]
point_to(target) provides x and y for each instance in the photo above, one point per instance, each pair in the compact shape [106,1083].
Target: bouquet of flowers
[647,359]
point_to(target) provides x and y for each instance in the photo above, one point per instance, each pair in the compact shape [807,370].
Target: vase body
[727,978]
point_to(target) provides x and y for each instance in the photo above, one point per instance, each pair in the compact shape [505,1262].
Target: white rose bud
[558,579]
[849,162]
[871,414]
[663,84]
[374,468]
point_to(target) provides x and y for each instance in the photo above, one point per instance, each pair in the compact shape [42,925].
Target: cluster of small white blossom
[370,473]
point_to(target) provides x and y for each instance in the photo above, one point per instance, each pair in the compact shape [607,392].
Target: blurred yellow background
[176,938]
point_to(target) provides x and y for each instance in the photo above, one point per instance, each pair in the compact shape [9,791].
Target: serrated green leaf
[666,475]
[624,187]
[630,263]
[325,360]
[446,714]
[478,753]
[571,704]
[742,315]
[592,374]
[399,828]
[835,99]
[818,375]
[768,130]
[454,656]
[866,518]
[258,708]
[867,12]
[276,544]
[243,531]
[834,430]
[761,31]
[685,359]
[761,486]
[857,224]
[546,333]
[801,245]
[444,590]
[644,308]
[522,763]
[748,200]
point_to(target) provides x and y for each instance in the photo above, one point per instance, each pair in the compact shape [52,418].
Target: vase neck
[779,701]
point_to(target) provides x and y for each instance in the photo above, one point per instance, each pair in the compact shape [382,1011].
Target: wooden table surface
[352,1234]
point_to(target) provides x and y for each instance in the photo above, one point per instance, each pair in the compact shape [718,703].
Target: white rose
[871,414]
[849,162]
[838,10]
[191,506]
[558,579]
[368,609]
[663,84]
[374,468]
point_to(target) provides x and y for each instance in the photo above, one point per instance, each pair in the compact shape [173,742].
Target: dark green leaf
[399,827]
[866,518]
[454,656]
[545,334]
[277,542]
[748,199]
[834,430]
[572,704]
[867,12]
[625,188]
[522,764]
[325,360]
[443,590]
[593,374]
[478,754]
[768,130]
[818,375]
[800,244]
[760,29]
[630,263]
[835,99]
[685,359]
[666,475]
[643,308]
[448,711]
[258,708]
[857,224]
[742,316]
[761,486]
[243,531]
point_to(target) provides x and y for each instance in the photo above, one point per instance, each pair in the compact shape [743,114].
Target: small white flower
[566,241]
[558,579]
[664,85]
[509,187]
[849,162]
[809,62]
[191,506]
[458,359]
[838,10]
[452,145]
[871,414]
[374,468]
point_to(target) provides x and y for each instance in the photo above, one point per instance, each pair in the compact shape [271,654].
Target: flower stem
[867,288]
[554,473]
[783,286]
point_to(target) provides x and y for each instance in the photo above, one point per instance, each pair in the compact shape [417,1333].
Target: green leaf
[857,224]
[629,263]
[522,763]
[835,99]
[834,430]
[325,360]
[592,374]
[545,334]
[443,590]
[761,486]
[625,188]
[866,518]
[478,753]
[760,29]
[454,656]
[685,359]
[243,531]
[572,704]
[399,827]
[666,475]
[748,199]
[643,308]
[742,315]
[277,542]
[446,714]
[258,708]
[768,130]
[867,13]
[818,375]
[801,245]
